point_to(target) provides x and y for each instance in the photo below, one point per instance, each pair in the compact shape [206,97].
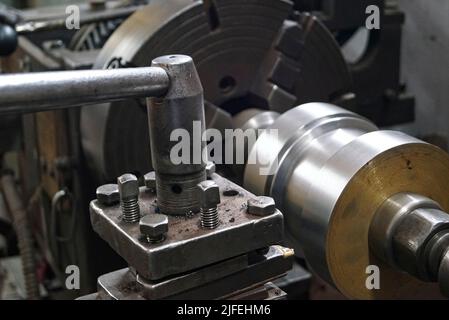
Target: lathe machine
[320,190]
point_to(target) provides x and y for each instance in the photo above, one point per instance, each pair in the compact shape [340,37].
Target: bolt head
[154,225]
[108,194]
[210,169]
[150,180]
[128,186]
[208,194]
[261,206]
[411,238]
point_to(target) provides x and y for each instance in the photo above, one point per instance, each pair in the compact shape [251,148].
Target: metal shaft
[42,91]
[179,114]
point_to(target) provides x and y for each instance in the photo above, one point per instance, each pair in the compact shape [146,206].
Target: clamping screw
[154,227]
[209,196]
[261,206]
[128,186]
[108,194]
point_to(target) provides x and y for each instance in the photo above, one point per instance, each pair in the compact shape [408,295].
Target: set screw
[209,197]
[128,187]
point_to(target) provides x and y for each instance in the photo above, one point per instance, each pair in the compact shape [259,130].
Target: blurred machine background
[268,55]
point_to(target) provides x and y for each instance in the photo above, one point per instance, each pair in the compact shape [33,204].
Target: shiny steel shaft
[42,91]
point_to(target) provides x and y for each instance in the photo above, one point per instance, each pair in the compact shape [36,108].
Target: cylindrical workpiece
[176,126]
[329,172]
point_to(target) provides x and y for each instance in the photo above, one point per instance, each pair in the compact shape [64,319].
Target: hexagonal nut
[128,186]
[210,169]
[208,194]
[154,225]
[411,237]
[261,206]
[150,180]
[108,194]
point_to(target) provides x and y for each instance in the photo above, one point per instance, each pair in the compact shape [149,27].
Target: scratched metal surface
[187,245]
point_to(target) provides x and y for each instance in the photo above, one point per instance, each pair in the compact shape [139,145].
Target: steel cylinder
[176,123]
[307,137]
[329,170]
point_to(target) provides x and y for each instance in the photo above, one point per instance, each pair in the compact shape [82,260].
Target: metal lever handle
[43,91]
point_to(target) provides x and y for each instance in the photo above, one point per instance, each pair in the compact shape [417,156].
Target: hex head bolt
[261,206]
[108,194]
[154,227]
[128,186]
[209,197]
